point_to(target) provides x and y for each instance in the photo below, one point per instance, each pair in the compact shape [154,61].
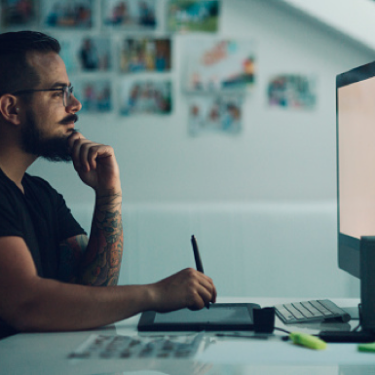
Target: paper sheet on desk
[127,347]
[285,353]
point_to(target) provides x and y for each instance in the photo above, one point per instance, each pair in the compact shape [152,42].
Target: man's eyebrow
[60,84]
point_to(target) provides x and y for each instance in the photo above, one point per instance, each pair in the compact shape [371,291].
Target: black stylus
[197,257]
[198,260]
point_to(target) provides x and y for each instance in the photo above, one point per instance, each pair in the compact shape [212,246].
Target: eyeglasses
[66,91]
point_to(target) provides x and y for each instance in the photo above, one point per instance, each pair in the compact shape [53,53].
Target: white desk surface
[47,353]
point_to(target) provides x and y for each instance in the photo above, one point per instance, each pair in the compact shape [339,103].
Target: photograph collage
[119,54]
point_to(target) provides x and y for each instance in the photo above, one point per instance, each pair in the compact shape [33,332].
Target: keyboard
[311,311]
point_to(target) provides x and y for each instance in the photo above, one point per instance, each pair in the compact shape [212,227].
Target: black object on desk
[264,320]
[220,317]
[347,337]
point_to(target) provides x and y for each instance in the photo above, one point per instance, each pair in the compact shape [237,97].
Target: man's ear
[10,108]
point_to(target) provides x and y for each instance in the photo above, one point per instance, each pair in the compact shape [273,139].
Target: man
[52,277]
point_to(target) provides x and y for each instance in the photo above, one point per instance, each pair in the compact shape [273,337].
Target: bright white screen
[356,119]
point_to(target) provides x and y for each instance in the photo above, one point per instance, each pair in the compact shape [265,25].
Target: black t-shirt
[41,217]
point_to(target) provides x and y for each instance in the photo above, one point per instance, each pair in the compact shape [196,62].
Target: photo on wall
[67,14]
[86,53]
[18,13]
[145,55]
[94,53]
[213,64]
[193,15]
[292,91]
[95,95]
[145,97]
[129,14]
[215,113]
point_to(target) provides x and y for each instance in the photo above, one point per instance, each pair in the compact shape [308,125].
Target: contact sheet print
[128,347]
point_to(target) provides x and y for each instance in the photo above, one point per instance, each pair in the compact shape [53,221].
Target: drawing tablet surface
[219,317]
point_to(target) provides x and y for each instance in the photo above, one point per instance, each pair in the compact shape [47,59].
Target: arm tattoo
[71,251]
[102,261]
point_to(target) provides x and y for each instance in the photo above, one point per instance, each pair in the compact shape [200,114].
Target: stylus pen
[198,260]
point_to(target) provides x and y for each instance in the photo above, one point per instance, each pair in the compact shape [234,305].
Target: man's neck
[14,165]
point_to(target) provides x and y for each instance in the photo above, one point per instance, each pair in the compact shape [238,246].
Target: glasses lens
[68,95]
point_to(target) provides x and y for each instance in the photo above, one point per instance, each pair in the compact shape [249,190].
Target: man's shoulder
[5,180]
[35,187]
[37,181]
[39,186]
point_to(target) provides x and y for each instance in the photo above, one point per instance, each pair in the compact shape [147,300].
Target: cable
[282,330]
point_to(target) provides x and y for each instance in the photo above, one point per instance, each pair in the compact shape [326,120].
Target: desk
[46,353]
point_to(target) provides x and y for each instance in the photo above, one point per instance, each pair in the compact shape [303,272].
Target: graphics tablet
[219,317]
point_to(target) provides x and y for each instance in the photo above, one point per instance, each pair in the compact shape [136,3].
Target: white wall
[354,18]
[262,203]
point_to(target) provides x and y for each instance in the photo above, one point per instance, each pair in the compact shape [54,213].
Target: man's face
[47,122]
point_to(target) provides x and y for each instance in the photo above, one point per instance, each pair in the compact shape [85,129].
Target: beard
[34,140]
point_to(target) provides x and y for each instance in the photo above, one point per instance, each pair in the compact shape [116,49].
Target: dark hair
[15,71]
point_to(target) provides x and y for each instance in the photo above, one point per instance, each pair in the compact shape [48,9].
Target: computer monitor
[355,115]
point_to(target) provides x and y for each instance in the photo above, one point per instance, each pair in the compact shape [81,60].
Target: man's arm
[31,303]
[96,261]
[101,261]
[97,167]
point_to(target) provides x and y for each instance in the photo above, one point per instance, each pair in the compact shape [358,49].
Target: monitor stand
[367,310]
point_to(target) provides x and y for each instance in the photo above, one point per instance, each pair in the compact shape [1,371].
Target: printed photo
[145,54]
[193,15]
[219,65]
[18,13]
[221,114]
[86,53]
[65,14]
[94,53]
[145,97]
[292,91]
[129,14]
[95,95]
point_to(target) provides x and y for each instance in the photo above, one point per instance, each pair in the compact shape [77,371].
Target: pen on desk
[198,260]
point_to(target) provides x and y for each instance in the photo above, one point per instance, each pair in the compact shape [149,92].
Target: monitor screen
[355,101]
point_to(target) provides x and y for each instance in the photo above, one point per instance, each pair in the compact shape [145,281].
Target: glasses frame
[67,92]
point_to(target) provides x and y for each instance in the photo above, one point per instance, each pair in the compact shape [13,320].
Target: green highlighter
[367,347]
[309,341]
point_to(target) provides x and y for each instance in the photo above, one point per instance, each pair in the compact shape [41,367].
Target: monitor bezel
[348,247]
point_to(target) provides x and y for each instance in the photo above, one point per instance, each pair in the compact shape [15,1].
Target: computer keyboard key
[320,307]
[293,311]
[306,310]
[285,315]
[311,309]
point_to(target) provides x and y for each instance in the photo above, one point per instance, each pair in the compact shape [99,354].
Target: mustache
[68,119]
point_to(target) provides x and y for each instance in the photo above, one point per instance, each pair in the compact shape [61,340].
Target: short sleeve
[68,225]
[62,222]
[11,217]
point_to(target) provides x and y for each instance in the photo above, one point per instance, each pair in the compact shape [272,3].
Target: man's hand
[95,163]
[187,288]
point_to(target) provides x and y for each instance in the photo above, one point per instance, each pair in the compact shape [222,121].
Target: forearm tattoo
[102,260]
[71,251]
